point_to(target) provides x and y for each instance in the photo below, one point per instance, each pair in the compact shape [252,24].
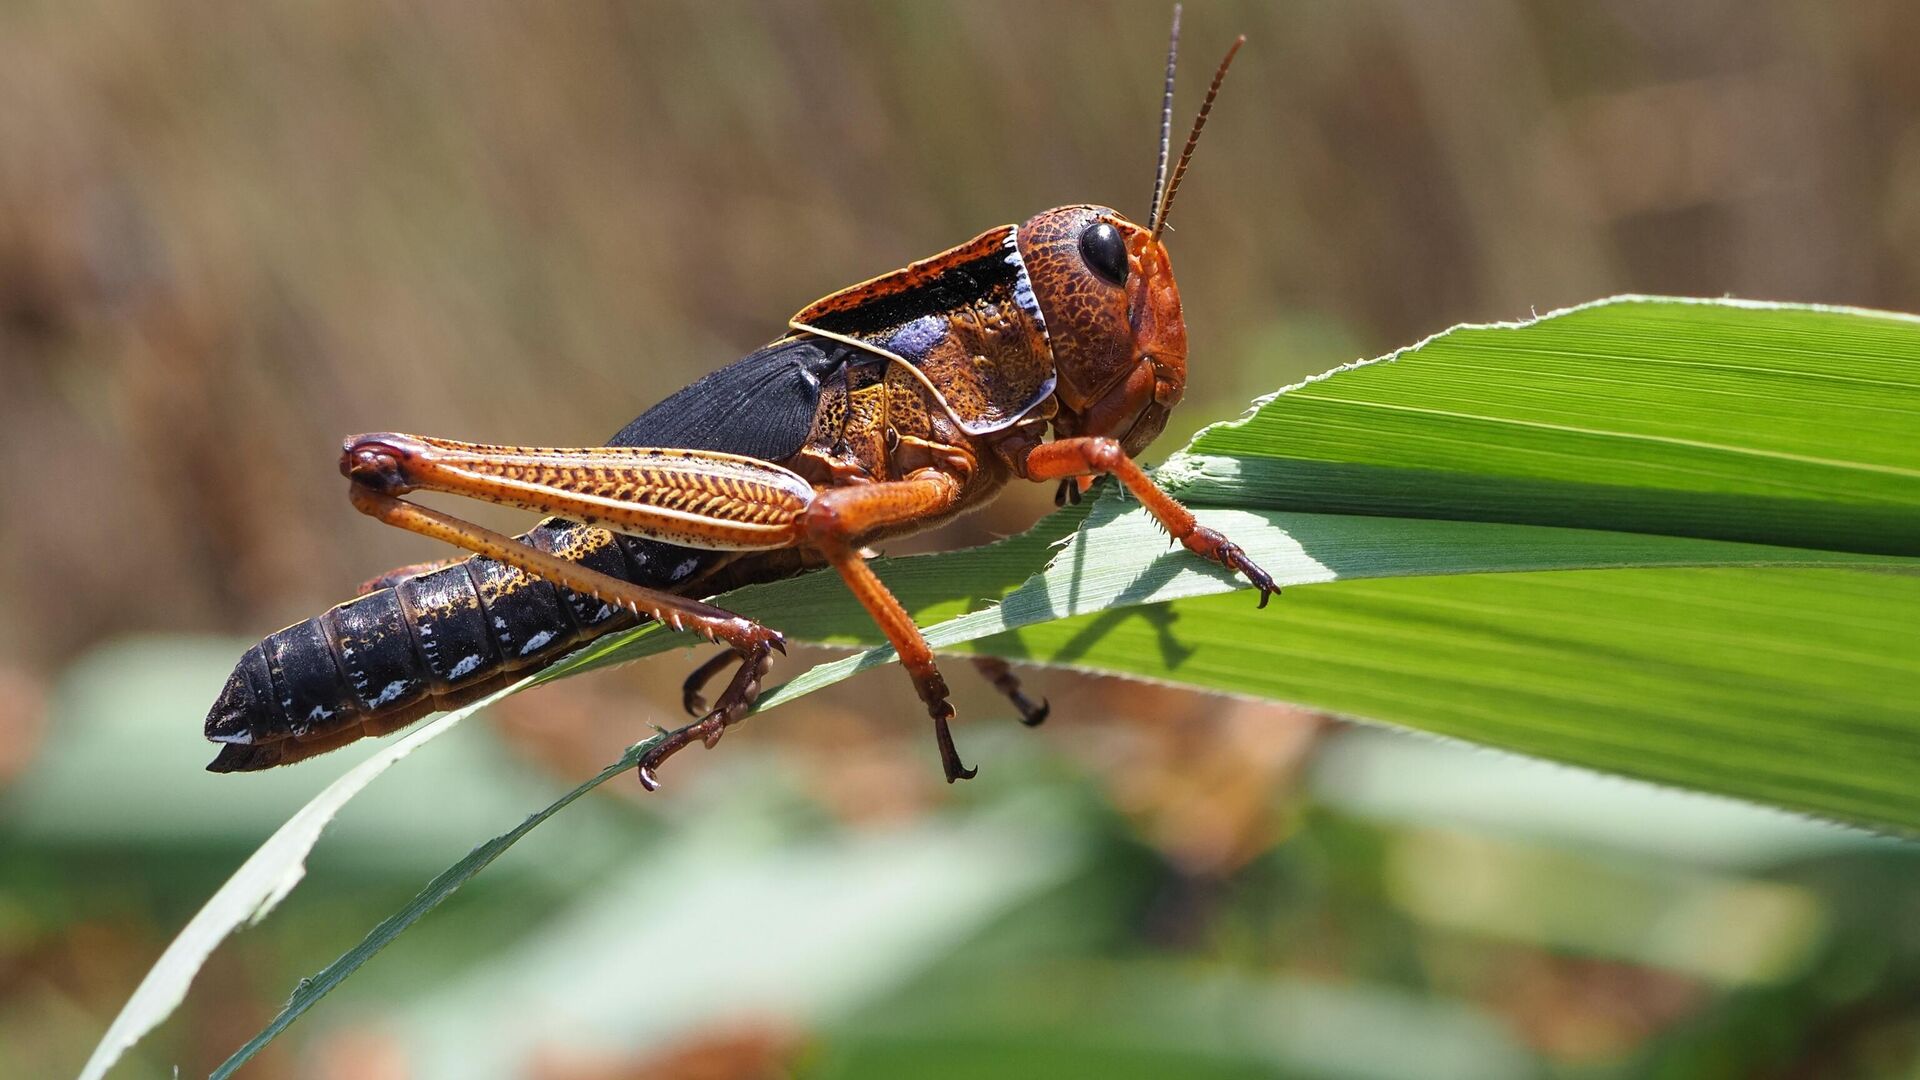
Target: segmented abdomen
[434,641]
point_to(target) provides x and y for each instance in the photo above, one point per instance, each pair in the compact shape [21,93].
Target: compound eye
[1105,251]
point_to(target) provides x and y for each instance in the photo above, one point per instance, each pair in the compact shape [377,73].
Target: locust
[1048,351]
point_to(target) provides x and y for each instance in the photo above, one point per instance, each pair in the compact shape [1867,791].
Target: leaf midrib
[1633,436]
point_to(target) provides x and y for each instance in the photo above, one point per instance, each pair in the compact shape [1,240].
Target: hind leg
[691,691]
[635,490]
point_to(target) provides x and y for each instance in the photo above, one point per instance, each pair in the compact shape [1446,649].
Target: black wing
[759,406]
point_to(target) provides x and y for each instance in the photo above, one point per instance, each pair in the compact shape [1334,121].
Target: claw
[949,756]
[1260,579]
[732,704]
[647,779]
[1209,544]
[1003,679]
[1035,717]
[650,762]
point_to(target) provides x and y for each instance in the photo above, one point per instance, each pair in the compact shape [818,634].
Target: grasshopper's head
[1106,290]
[1105,287]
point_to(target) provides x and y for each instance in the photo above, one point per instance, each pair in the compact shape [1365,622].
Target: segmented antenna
[1166,126]
[1165,206]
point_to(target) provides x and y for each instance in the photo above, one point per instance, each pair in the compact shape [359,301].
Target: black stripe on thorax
[954,287]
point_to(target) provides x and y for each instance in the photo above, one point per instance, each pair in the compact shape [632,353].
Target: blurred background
[231,233]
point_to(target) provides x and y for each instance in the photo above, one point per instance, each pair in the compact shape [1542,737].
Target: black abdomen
[434,641]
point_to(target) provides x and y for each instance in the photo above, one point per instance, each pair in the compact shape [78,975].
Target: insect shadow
[1130,602]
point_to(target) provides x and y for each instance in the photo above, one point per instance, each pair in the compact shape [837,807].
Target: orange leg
[835,523]
[991,668]
[679,612]
[692,497]
[1094,455]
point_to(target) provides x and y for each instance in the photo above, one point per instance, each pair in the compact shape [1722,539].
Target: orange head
[1105,287]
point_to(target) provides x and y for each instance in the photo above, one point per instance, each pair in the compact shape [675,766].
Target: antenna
[1166,126]
[1164,204]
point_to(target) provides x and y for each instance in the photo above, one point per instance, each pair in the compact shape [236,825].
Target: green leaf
[1674,434]
[1738,421]
[255,889]
[1669,539]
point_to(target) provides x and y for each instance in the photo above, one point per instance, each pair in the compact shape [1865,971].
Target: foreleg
[1097,455]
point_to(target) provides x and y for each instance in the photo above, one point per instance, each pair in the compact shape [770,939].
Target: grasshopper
[886,408]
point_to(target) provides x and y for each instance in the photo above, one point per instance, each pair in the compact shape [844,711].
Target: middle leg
[838,519]
[1000,674]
